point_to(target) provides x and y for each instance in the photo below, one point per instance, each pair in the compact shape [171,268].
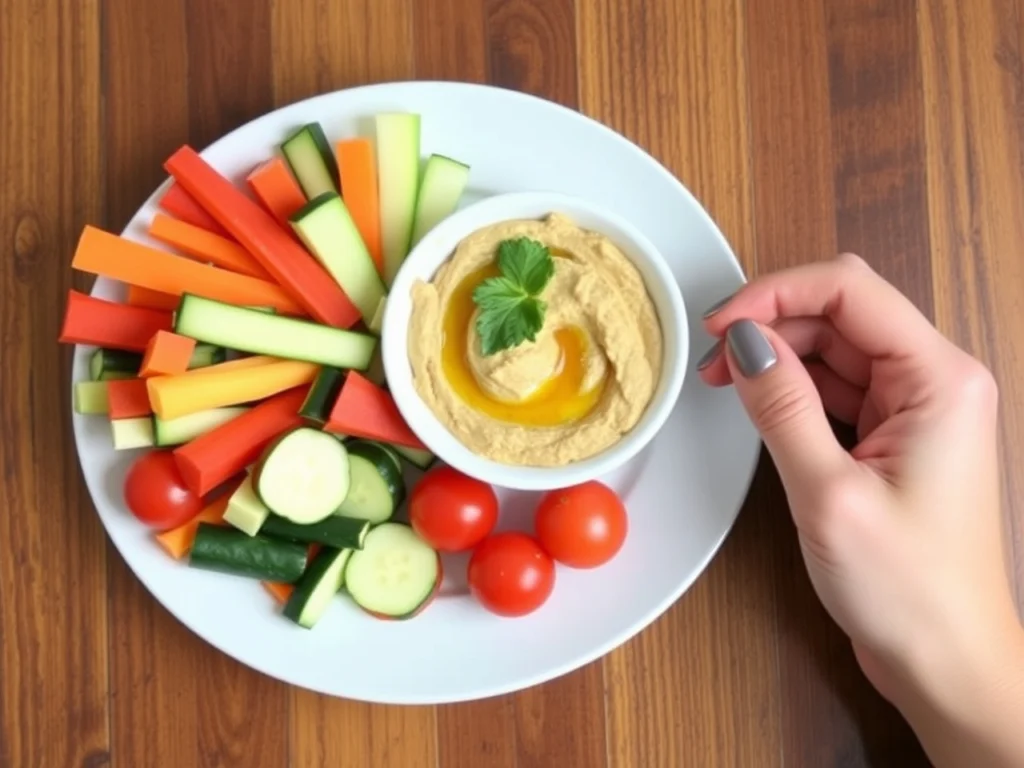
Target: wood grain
[973,80]
[53,614]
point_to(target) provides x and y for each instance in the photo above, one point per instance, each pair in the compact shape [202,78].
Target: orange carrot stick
[205,246]
[224,451]
[281,255]
[363,409]
[101,253]
[178,541]
[88,320]
[277,189]
[174,396]
[144,297]
[180,204]
[359,191]
[127,399]
[167,354]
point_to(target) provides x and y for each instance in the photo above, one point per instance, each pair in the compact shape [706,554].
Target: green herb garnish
[510,310]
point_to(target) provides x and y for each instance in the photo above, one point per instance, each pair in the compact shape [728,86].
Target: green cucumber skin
[377,453]
[105,361]
[226,550]
[318,403]
[336,531]
[310,580]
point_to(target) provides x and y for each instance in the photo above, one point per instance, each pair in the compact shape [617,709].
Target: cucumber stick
[91,397]
[443,182]
[394,574]
[185,428]
[316,408]
[219,548]
[418,457]
[398,169]
[207,354]
[104,362]
[326,228]
[312,162]
[322,581]
[248,330]
[335,531]
[245,510]
[132,433]
[303,476]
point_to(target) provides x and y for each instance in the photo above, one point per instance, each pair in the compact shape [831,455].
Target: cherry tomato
[156,494]
[451,511]
[583,526]
[510,574]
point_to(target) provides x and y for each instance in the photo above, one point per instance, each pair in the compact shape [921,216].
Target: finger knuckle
[836,505]
[977,385]
[851,261]
[781,409]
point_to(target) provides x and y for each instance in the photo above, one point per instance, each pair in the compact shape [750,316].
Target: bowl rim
[434,251]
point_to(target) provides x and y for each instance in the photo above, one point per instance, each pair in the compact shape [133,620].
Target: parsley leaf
[510,310]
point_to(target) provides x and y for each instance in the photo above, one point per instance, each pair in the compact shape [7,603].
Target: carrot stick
[205,246]
[178,541]
[363,409]
[101,253]
[212,458]
[127,399]
[277,189]
[291,265]
[88,320]
[167,354]
[144,297]
[174,396]
[359,191]
[180,204]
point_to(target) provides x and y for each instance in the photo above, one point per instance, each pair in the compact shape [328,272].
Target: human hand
[902,535]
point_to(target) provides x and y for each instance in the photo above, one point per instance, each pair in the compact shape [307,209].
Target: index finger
[865,308]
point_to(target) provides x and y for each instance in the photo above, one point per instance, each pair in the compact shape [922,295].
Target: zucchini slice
[219,548]
[322,581]
[303,476]
[377,489]
[395,573]
[444,181]
[312,162]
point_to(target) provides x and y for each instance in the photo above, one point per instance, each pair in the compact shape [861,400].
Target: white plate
[683,492]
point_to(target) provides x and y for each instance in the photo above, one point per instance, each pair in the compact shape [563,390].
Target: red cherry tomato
[156,494]
[583,526]
[451,511]
[510,574]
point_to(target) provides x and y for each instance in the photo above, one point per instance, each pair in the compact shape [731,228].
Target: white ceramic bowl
[437,247]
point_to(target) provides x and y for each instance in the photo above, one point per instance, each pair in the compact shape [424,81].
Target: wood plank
[882,214]
[794,196]
[320,47]
[973,90]
[228,61]
[533,47]
[223,713]
[702,681]
[451,40]
[53,608]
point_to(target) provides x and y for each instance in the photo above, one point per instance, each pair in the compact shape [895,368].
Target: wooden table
[892,128]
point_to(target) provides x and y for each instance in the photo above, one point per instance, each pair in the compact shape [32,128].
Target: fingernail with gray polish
[710,356]
[717,306]
[753,353]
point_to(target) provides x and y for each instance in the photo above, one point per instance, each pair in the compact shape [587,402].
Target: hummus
[574,391]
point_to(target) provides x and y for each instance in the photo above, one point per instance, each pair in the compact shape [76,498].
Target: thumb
[784,405]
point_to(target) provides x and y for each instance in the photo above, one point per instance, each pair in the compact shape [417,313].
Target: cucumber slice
[444,181]
[312,162]
[205,355]
[321,582]
[245,510]
[104,361]
[418,457]
[303,476]
[322,394]
[132,433]
[398,170]
[91,397]
[377,488]
[335,531]
[250,331]
[391,452]
[186,428]
[326,227]
[394,573]
[219,548]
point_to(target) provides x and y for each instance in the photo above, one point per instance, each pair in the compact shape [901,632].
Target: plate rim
[599,650]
